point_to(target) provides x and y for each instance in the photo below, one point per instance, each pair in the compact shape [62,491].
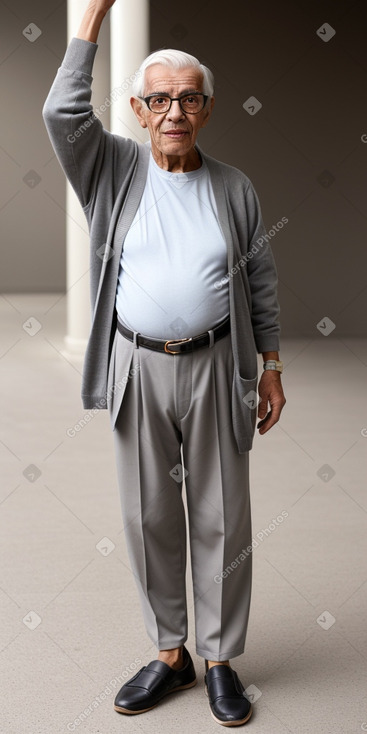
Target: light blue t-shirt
[174,253]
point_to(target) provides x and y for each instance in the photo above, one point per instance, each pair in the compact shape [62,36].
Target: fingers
[276,400]
[269,421]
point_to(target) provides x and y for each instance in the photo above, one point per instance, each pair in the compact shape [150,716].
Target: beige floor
[71,622]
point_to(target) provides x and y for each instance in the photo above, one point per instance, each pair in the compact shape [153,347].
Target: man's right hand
[92,19]
[100,6]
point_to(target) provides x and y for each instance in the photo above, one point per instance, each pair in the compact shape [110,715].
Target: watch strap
[273,364]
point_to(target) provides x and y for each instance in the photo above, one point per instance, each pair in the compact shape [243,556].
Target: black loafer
[151,683]
[227,700]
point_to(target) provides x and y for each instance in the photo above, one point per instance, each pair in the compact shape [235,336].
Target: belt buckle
[175,341]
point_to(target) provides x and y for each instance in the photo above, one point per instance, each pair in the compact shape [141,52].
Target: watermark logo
[98,111]
[260,536]
[102,403]
[32,326]
[102,696]
[252,399]
[105,252]
[252,106]
[32,179]
[32,473]
[254,249]
[326,620]
[31,32]
[325,179]
[178,473]
[326,473]
[180,327]
[326,326]
[325,32]
[178,180]
[32,620]
[253,693]
[105,546]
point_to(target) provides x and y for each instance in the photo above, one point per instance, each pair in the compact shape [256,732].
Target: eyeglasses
[190,103]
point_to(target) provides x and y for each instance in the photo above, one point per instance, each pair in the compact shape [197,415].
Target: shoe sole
[238,722]
[122,710]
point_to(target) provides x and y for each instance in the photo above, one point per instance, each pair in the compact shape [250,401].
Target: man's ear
[208,111]
[137,106]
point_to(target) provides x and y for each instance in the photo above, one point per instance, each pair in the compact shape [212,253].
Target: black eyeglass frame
[175,99]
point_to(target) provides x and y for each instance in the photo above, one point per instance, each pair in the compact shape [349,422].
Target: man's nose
[175,113]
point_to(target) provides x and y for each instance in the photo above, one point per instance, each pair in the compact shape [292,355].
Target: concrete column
[129,46]
[77,235]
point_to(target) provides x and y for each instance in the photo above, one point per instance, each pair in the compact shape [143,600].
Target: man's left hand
[271,393]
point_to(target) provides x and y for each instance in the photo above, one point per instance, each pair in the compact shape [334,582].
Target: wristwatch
[273,364]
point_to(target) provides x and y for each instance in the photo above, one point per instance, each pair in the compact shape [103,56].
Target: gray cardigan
[108,174]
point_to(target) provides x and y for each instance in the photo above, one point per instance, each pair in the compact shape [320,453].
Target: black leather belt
[177,346]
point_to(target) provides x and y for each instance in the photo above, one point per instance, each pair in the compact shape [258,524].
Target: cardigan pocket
[118,375]
[244,410]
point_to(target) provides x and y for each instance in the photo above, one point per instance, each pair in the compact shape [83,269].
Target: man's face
[172,133]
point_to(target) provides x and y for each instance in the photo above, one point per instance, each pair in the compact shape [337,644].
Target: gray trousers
[172,420]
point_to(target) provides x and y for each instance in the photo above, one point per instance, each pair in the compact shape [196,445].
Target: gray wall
[302,149]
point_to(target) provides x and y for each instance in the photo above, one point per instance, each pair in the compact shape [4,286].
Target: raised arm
[92,19]
[76,133]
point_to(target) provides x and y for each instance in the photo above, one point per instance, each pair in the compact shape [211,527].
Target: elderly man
[183,289]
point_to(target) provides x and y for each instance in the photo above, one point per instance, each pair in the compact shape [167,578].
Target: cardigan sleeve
[76,134]
[262,278]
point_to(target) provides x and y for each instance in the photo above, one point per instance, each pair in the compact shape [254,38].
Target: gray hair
[177,60]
